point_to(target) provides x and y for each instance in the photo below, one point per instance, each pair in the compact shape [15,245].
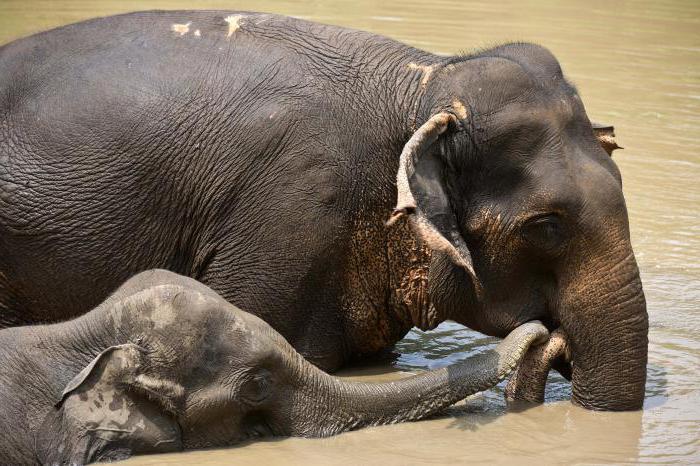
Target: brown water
[637,66]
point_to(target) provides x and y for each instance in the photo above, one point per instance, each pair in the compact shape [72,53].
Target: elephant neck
[407,260]
[45,358]
[385,282]
[385,287]
[75,343]
[409,279]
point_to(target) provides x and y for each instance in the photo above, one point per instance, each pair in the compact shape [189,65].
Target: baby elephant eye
[544,232]
[256,388]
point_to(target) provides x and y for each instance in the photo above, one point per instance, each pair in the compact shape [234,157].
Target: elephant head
[196,372]
[515,192]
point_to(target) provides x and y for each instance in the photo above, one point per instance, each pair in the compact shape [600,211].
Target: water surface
[637,66]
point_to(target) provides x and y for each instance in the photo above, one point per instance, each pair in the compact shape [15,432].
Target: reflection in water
[553,433]
[637,66]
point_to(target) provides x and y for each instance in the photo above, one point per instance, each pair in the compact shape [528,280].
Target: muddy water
[637,66]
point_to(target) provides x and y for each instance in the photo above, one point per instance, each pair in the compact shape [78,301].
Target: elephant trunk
[607,322]
[343,405]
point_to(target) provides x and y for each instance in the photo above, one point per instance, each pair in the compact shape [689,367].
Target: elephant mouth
[563,366]
[561,360]
[530,377]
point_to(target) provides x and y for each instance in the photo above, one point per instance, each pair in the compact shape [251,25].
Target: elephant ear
[422,195]
[110,410]
[606,137]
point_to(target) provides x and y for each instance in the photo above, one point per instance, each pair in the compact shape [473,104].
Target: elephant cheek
[218,432]
[450,292]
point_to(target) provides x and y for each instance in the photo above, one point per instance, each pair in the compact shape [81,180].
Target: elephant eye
[544,232]
[256,388]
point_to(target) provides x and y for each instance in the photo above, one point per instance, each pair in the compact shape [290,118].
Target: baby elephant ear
[109,411]
[606,137]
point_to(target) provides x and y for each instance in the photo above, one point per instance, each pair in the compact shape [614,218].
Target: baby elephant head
[189,367]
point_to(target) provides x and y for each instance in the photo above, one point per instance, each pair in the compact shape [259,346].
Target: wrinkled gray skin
[529,380]
[260,156]
[166,364]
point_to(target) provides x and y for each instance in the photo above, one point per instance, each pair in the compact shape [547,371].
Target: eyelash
[543,231]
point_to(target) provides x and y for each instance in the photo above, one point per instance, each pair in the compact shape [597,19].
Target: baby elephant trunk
[350,405]
[530,378]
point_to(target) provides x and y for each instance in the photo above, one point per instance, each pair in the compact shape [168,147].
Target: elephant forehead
[166,312]
[172,307]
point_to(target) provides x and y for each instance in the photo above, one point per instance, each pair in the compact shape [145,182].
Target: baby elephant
[165,364]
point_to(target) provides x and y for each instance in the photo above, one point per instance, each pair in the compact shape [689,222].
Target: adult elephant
[165,364]
[258,154]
